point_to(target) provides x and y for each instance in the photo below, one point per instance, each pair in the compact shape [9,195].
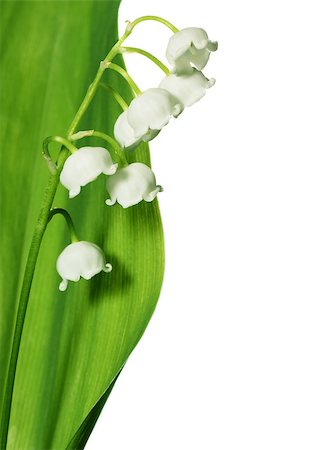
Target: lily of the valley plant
[127,183]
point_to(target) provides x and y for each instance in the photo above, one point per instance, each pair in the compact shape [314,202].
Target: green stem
[148,55]
[117,149]
[131,25]
[40,228]
[116,95]
[67,217]
[94,85]
[46,154]
[81,134]
[126,76]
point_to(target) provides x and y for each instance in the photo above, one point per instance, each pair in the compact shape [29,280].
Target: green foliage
[74,343]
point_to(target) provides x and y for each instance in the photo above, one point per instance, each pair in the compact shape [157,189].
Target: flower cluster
[187,52]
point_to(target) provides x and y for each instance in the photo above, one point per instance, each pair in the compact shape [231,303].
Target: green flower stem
[120,154]
[94,85]
[39,231]
[116,95]
[46,154]
[131,25]
[126,76]
[66,215]
[81,134]
[117,149]
[148,55]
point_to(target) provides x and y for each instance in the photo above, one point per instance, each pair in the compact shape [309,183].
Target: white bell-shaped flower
[189,47]
[84,166]
[80,259]
[187,88]
[125,134]
[132,184]
[146,116]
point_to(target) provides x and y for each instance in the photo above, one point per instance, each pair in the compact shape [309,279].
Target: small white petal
[80,259]
[110,202]
[84,166]
[108,268]
[63,285]
[150,134]
[74,192]
[187,88]
[132,184]
[189,47]
[151,195]
[212,46]
[211,82]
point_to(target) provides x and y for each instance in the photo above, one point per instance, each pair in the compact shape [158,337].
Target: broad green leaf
[81,436]
[75,343]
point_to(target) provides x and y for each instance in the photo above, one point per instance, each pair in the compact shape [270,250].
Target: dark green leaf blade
[82,435]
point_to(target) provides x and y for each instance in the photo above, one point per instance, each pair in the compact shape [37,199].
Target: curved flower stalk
[188,88]
[188,48]
[84,166]
[80,259]
[146,116]
[132,184]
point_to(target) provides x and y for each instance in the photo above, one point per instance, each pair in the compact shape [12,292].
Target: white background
[227,361]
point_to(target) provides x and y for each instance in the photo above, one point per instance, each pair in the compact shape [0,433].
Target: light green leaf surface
[74,343]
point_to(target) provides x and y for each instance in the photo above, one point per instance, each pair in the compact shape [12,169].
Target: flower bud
[187,88]
[80,259]
[189,47]
[132,184]
[84,166]
[146,116]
